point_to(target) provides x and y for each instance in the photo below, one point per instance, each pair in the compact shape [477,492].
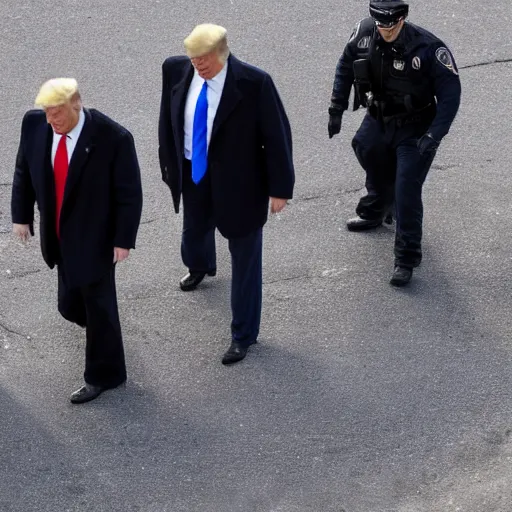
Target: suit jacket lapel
[231,95]
[83,149]
[178,101]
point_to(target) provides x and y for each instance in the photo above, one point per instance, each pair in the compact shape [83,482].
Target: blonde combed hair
[206,38]
[56,91]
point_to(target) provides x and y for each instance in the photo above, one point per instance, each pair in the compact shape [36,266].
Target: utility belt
[385,113]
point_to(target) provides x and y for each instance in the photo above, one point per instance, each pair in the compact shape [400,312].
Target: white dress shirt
[213,95]
[72,138]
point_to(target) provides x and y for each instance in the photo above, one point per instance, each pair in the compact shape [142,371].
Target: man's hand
[427,144]
[22,231]
[120,254]
[277,205]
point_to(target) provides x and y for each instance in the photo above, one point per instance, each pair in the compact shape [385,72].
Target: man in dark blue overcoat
[225,145]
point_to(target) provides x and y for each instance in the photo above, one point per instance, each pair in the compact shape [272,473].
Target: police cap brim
[388,11]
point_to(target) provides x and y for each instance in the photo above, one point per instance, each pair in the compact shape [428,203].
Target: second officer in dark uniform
[408,80]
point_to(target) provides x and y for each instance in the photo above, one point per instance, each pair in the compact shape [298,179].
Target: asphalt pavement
[359,397]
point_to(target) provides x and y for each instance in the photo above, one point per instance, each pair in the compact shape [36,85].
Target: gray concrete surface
[360,397]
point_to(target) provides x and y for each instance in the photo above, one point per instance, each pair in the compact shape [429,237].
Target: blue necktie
[199,140]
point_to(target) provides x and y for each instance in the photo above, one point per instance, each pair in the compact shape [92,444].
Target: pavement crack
[352,190]
[310,198]
[444,167]
[293,278]
[142,297]
[149,221]
[336,193]
[325,274]
[486,63]
[11,331]
[24,273]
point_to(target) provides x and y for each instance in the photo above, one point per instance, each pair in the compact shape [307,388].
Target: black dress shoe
[401,276]
[236,352]
[86,393]
[359,224]
[192,279]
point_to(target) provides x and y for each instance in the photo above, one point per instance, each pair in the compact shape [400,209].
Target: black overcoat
[102,199]
[250,150]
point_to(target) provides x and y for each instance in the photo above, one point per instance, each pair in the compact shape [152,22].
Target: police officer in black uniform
[408,80]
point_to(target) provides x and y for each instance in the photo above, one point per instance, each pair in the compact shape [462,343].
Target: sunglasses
[387,24]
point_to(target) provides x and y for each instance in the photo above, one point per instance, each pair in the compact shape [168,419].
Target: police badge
[416,63]
[399,65]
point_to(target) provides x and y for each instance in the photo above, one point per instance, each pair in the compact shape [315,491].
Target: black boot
[401,276]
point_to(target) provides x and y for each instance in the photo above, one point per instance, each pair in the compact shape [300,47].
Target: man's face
[208,65]
[389,34]
[63,118]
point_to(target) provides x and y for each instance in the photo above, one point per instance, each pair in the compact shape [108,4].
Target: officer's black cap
[388,11]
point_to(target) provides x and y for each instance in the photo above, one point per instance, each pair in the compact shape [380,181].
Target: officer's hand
[334,125]
[427,144]
[22,231]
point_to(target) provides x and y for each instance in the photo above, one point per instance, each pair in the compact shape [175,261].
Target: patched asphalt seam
[486,63]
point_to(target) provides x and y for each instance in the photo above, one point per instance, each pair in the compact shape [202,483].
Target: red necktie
[60,170]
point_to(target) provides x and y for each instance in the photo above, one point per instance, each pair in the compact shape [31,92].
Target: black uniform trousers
[198,254]
[94,307]
[395,173]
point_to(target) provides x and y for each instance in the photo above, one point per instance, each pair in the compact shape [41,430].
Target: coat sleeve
[165,135]
[23,194]
[447,90]
[127,193]
[276,141]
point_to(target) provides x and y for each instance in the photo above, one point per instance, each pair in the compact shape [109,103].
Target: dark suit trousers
[95,307]
[198,254]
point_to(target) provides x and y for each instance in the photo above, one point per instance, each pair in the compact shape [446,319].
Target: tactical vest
[398,84]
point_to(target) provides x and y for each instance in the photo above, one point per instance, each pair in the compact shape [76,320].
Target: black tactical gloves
[334,126]
[427,144]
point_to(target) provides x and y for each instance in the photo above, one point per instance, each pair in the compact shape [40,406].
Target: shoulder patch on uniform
[416,63]
[444,56]
[364,42]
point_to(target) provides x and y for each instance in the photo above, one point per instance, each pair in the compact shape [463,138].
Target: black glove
[427,144]
[334,126]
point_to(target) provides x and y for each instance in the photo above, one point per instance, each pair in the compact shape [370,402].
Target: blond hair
[206,38]
[57,91]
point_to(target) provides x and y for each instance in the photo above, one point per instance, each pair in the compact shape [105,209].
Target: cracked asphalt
[359,397]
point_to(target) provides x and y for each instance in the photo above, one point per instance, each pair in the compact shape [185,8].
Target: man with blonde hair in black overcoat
[81,168]
[225,145]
